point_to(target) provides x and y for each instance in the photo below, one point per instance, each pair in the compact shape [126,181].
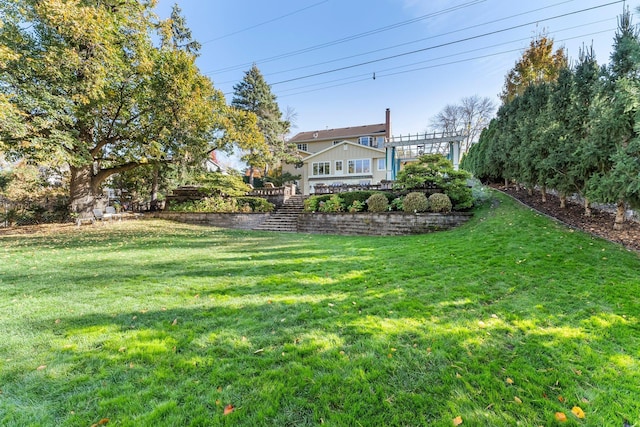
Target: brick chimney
[388,123]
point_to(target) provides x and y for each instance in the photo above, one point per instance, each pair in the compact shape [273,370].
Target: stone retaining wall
[379,224]
[242,221]
[363,223]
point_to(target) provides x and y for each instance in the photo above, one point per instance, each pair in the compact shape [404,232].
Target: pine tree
[254,95]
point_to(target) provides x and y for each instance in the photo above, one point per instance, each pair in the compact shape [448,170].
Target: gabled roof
[333,147]
[340,133]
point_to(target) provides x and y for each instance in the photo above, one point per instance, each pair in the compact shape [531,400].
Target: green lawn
[504,321]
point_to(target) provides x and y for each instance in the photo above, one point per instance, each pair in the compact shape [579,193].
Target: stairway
[286,217]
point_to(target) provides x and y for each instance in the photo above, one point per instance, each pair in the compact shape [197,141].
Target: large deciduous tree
[539,63]
[83,84]
[470,116]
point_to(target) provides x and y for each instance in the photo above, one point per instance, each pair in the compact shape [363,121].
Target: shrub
[352,196]
[357,206]
[378,202]
[415,202]
[312,204]
[256,204]
[334,204]
[397,204]
[439,202]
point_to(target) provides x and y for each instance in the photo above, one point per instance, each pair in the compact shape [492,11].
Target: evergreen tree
[254,95]
[614,129]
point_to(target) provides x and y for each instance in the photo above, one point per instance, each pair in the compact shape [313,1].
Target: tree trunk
[251,173]
[563,201]
[544,194]
[506,183]
[620,211]
[153,204]
[587,207]
[82,190]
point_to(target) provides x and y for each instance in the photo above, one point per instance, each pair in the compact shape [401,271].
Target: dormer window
[366,140]
[303,147]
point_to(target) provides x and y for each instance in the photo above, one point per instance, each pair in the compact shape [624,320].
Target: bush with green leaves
[257,204]
[312,203]
[439,202]
[378,202]
[357,206]
[415,202]
[352,196]
[436,170]
[334,204]
[397,204]
[208,204]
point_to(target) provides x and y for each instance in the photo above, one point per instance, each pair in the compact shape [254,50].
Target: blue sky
[320,56]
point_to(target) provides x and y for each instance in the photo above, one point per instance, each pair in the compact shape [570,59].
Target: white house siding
[343,152]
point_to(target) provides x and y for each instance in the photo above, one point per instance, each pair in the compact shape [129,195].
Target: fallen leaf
[122,349]
[41,367]
[457,421]
[228,409]
[494,316]
[560,416]
[57,321]
[517,399]
[481,324]
[560,399]
[175,322]
[509,381]
[458,375]
[578,412]
[260,350]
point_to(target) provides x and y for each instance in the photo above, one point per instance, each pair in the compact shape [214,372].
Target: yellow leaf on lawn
[509,381]
[560,416]
[175,322]
[578,412]
[517,399]
[103,421]
[457,421]
[228,409]
[41,367]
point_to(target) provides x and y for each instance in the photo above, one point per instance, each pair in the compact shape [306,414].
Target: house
[341,157]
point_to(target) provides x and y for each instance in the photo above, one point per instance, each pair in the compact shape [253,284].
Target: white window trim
[326,164]
[384,164]
[355,167]
[303,147]
[341,171]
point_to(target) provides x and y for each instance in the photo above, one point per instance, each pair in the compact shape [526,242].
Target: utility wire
[381,72]
[349,38]
[368,78]
[410,42]
[445,44]
[264,23]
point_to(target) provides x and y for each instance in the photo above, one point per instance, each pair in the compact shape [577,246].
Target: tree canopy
[84,84]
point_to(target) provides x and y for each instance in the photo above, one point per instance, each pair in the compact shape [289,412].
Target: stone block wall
[379,224]
[242,221]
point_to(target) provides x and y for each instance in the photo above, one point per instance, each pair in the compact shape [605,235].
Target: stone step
[285,219]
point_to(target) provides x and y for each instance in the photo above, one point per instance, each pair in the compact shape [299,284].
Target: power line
[265,22]
[412,42]
[420,68]
[349,38]
[444,44]
[381,72]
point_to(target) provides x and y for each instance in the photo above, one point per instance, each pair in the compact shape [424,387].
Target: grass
[504,321]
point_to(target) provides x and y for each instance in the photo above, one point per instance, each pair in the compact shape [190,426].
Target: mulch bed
[600,223]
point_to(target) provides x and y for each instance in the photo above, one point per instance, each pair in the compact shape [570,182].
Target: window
[380,142]
[321,168]
[338,166]
[359,166]
[303,147]
[382,164]
[366,140]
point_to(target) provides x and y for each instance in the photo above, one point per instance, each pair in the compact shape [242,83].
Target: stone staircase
[286,217]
